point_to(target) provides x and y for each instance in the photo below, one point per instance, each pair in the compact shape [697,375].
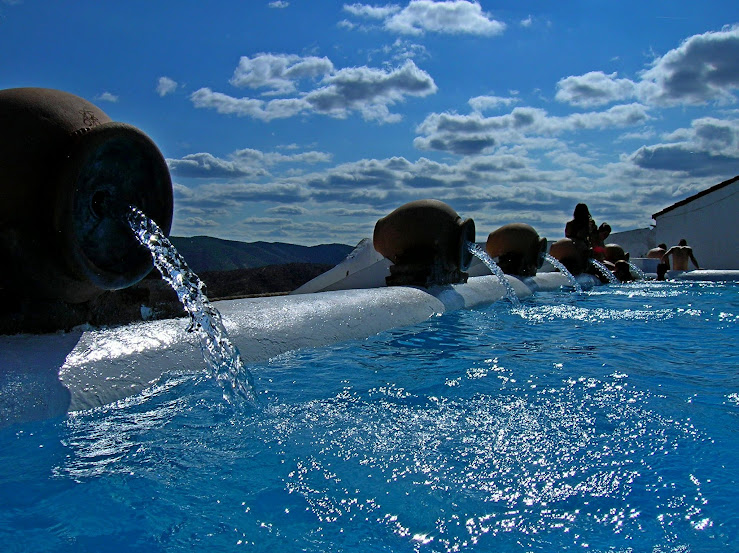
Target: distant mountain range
[204,253]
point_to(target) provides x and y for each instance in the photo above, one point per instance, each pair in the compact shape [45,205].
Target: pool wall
[43,376]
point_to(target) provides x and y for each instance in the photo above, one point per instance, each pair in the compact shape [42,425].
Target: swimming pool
[605,421]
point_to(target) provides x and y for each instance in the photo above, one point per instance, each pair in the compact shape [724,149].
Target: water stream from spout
[562,269]
[637,271]
[483,256]
[604,271]
[222,357]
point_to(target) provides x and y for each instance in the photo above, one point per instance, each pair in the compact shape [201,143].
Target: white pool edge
[43,376]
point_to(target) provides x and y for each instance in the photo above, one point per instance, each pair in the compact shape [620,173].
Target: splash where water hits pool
[603,421]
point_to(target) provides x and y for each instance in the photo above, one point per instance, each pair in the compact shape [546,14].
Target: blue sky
[304,121]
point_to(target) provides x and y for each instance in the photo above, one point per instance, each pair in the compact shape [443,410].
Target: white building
[636,242]
[708,221]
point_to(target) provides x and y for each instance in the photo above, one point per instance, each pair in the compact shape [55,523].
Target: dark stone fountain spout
[67,174]
[427,242]
[518,247]
[567,253]
[615,252]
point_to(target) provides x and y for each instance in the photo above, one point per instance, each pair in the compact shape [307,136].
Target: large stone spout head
[518,247]
[573,258]
[67,176]
[427,242]
[615,253]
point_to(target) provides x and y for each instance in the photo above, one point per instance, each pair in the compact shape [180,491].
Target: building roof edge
[696,196]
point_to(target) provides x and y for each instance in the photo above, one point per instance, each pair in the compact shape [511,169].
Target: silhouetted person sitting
[599,241]
[587,237]
[582,227]
[680,256]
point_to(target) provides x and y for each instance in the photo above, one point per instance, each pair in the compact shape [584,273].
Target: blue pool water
[604,421]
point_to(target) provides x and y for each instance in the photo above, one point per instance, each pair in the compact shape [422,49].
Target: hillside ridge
[206,253]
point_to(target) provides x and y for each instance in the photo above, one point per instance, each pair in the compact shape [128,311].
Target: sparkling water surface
[603,421]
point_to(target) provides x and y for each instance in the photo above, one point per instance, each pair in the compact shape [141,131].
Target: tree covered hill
[205,253]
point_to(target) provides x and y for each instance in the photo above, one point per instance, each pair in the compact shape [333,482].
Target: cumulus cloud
[165,86]
[403,49]
[704,68]
[475,134]
[256,157]
[363,212]
[271,221]
[370,91]
[485,103]
[709,147]
[232,194]
[242,163]
[372,12]
[287,210]
[279,73]
[296,230]
[204,165]
[366,90]
[197,223]
[422,16]
[107,97]
[279,4]
[248,107]
[594,89]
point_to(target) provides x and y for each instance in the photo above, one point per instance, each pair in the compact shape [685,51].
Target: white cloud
[346,24]
[165,86]
[279,4]
[107,97]
[251,156]
[402,50]
[347,212]
[202,165]
[372,12]
[484,103]
[421,16]
[702,69]
[366,90]
[287,210]
[232,194]
[594,89]
[242,163]
[279,73]
[709,147]
[248,107]
[196,223]
[527,22]
[449,17]
[370,91]
[265,221]
[475,134]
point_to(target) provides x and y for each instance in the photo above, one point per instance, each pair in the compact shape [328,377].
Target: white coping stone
[364,267]
[43,376]
[707,275]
